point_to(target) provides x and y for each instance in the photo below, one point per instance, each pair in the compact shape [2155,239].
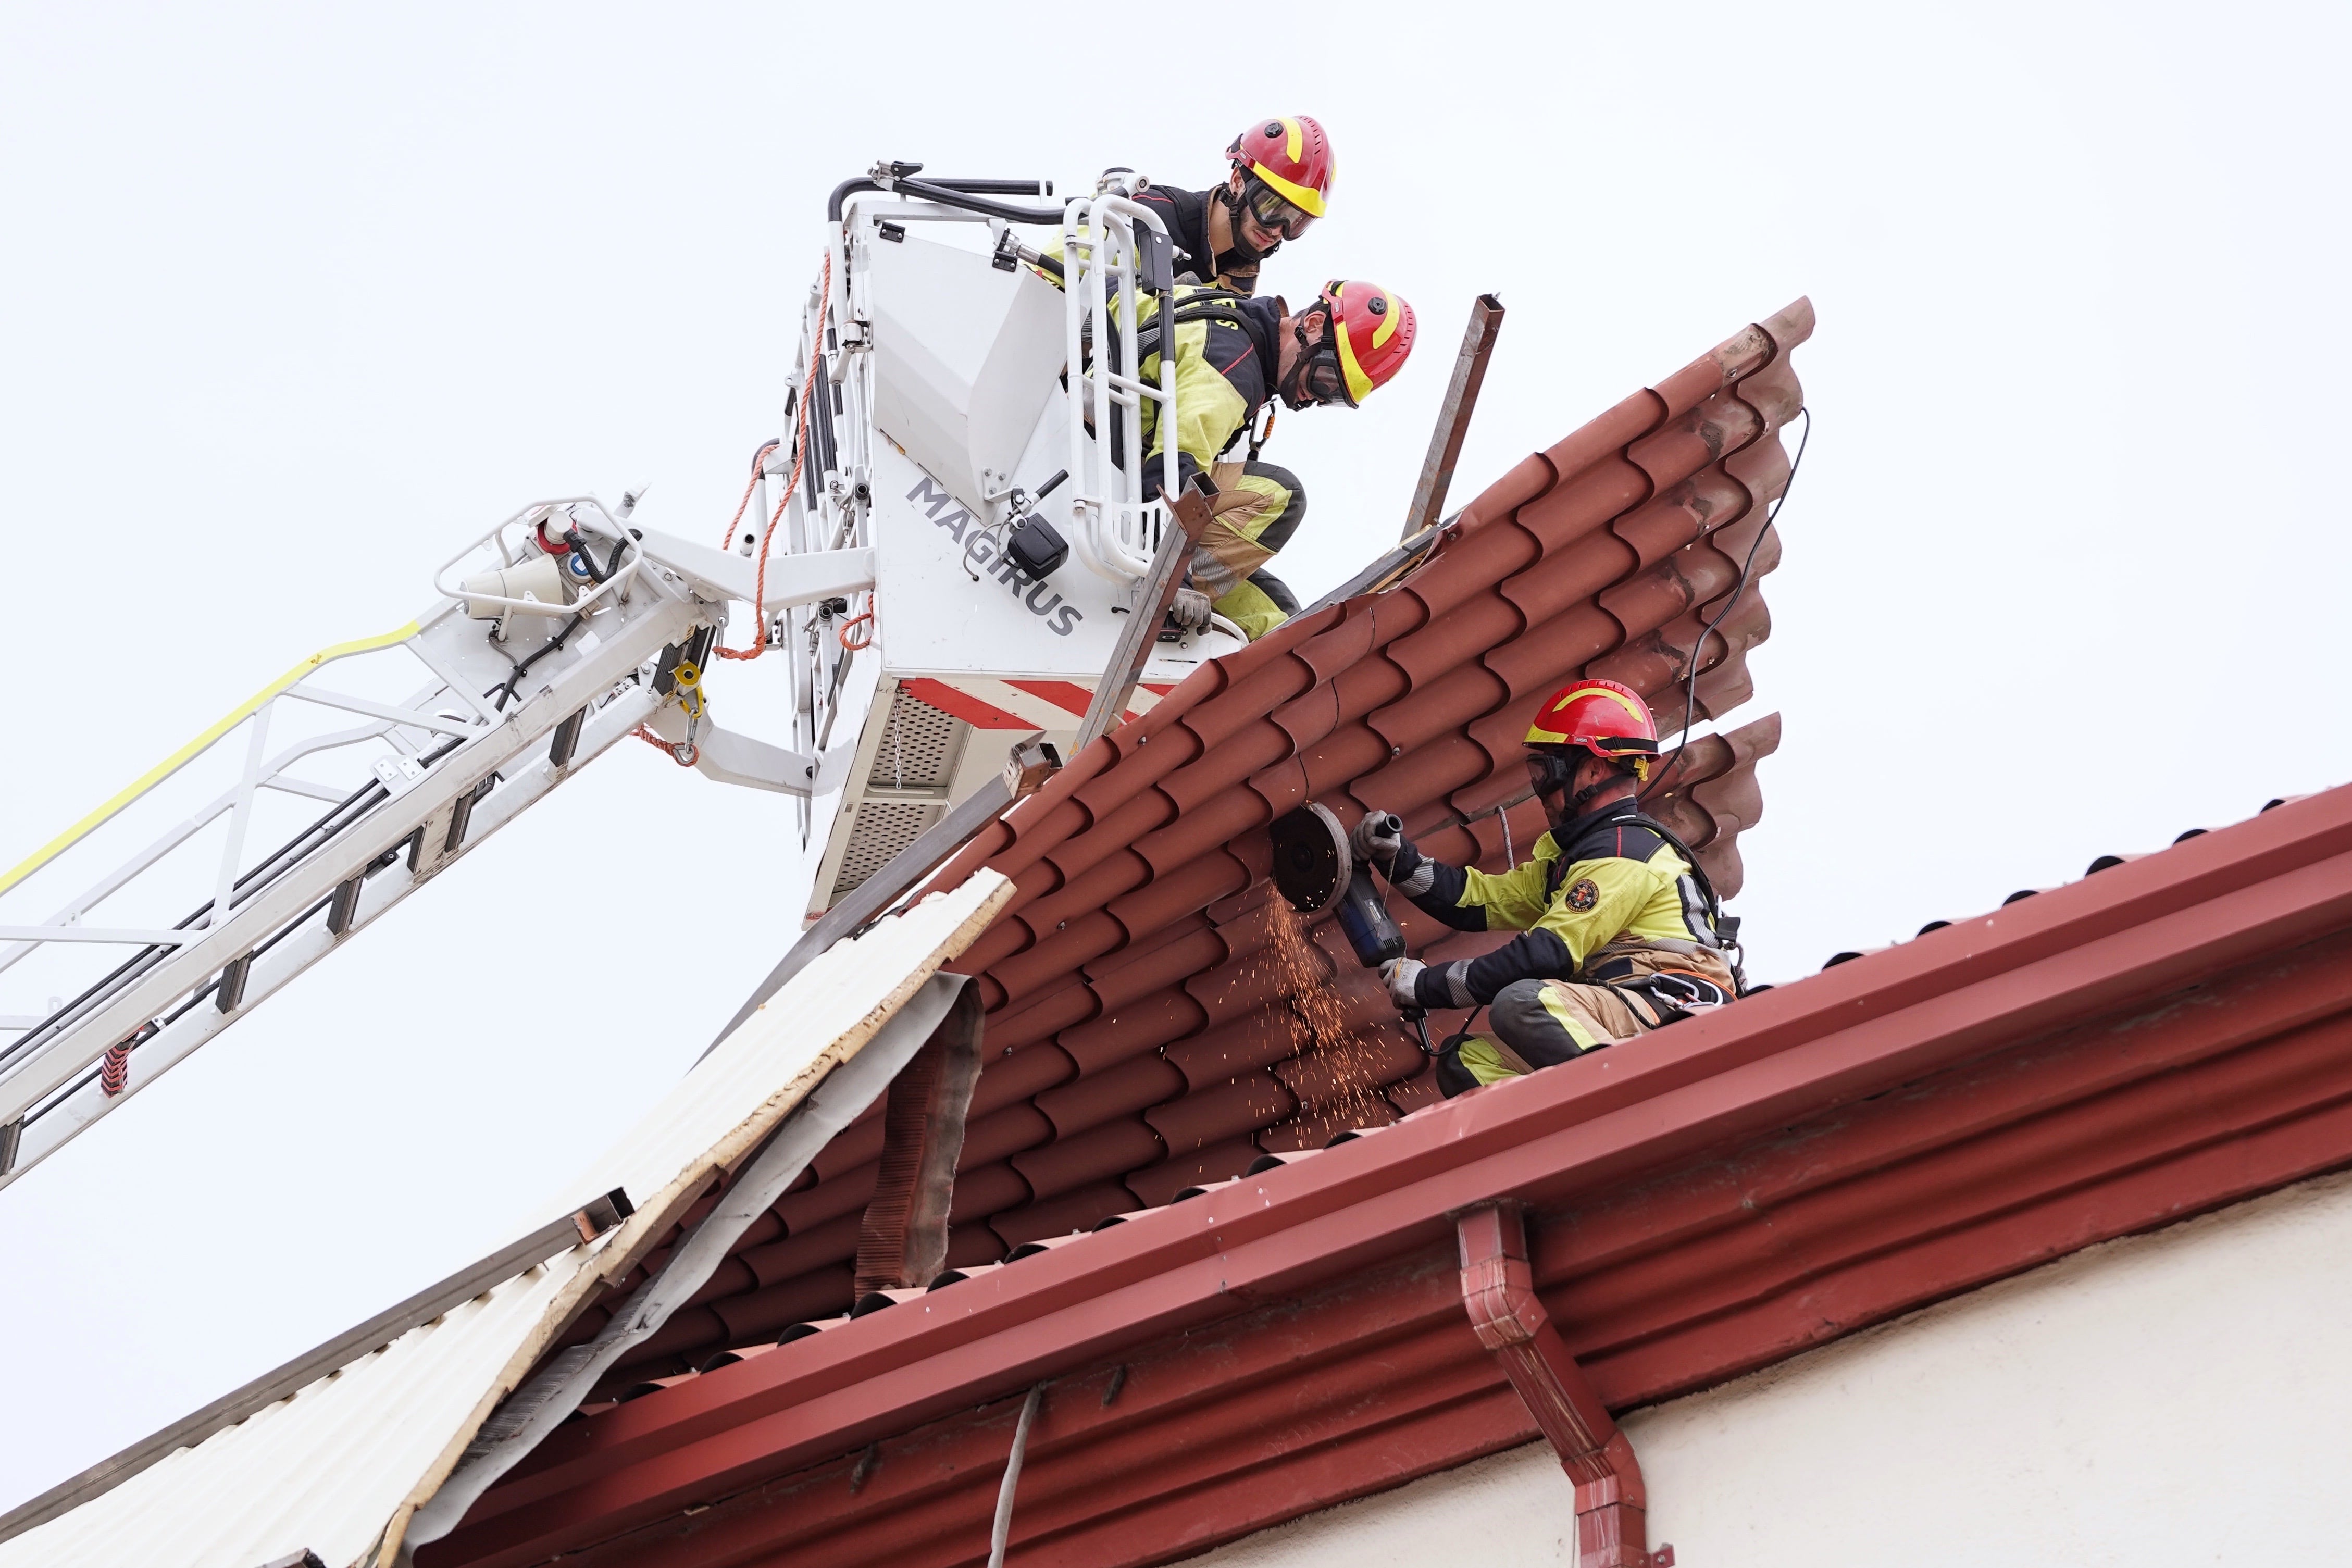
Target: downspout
[1498,1290]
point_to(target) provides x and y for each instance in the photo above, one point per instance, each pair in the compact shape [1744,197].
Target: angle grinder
[1314,870]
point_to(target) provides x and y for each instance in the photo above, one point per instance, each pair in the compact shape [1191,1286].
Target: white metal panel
[952,605]
[333,1466]
[965,358]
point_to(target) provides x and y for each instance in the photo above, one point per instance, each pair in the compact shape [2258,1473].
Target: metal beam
[293,946]
[1142,634]
[125,936]
[879,891]
[1379,571]
[727,756]
[794,579]
[1453,415]
[369,706]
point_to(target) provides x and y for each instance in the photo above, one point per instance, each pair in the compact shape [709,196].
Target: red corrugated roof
[2163,1036]
[1141,1036]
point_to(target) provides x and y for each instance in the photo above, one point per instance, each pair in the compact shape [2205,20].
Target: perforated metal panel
[919,747]
[881,828]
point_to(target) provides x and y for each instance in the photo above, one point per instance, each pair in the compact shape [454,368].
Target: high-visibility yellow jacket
[1616,886]
[1227,360]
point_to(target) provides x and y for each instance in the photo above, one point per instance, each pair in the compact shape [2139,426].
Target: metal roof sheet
[2162,1037]
[1143,1035]
[337,1466]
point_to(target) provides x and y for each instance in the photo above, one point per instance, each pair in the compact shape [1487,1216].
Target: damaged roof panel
[338,1464]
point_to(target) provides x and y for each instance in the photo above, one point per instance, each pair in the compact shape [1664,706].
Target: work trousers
[1541,1023]
[1258,508]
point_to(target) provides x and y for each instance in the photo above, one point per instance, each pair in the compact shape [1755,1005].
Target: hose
[847,188]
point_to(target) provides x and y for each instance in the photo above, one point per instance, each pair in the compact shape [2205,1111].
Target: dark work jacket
[1186,214]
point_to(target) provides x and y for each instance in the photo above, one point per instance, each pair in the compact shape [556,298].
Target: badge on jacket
[1583,895]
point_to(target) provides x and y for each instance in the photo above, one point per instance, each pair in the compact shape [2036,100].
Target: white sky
[295,300]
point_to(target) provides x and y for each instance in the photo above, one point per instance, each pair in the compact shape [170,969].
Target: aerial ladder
[947,546]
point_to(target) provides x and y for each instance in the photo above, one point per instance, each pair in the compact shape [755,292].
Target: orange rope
[758,461]
[658,744]
[799,456]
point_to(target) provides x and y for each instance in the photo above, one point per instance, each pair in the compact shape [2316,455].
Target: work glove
[1401,976]
[1191,610]
[1379,840]
[1376,839]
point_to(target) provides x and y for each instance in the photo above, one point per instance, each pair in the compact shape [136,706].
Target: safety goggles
[1322,379]
[1548,773]
[1273,211]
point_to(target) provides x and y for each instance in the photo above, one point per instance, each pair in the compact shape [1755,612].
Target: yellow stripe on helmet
[1298,195]
[1294,139]
[1359,385]
[1387,329]
[1538,735]
[1618,697]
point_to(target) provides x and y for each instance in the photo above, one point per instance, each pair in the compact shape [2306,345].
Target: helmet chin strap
[1292,387]
[1575,803]
[1239,247]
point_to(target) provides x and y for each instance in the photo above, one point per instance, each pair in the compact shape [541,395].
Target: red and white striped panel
[1022,705]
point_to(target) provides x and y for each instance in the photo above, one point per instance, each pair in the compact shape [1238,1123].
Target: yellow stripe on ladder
[189,752]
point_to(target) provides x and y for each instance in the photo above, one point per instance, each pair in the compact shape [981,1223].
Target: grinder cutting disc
[1310,858]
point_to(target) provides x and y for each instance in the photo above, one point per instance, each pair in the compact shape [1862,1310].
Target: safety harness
[1216,306]
[1672,993]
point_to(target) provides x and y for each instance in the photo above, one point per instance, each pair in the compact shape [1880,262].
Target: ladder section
[319,803]
[1114,252]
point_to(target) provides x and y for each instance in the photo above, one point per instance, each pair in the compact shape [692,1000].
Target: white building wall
[2184,1397]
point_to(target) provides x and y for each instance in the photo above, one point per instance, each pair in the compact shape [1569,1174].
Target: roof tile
[1145,1034]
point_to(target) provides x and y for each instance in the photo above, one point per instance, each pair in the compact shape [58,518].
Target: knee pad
[1519,1013]
[1453,1078]
[1465,1061]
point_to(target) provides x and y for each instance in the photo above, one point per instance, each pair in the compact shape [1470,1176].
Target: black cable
[1738,587]
[506,688]
[604,574]
[146,958]
[849,188]
[156,1026]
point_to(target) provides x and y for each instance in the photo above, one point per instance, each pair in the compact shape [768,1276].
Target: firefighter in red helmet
[1621,931]
[1278,183]
[1232,354]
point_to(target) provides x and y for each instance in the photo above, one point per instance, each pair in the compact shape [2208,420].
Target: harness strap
[1723,929]
[1672,995]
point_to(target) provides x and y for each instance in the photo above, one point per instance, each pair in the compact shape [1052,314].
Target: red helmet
[1602,717]
[1292,156]
[1370,334]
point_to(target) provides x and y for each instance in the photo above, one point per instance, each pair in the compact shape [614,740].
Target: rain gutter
[1498,1290]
